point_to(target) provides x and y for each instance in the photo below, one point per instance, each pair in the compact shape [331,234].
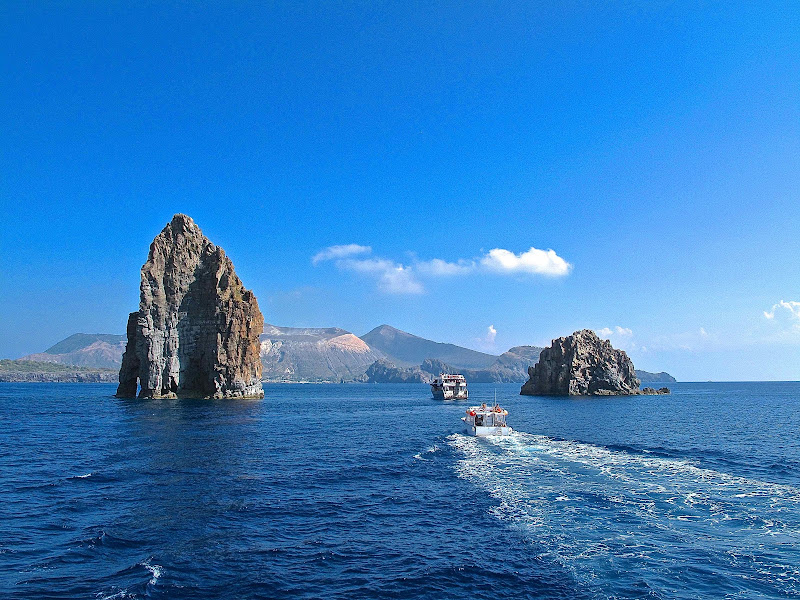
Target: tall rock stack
[196,332]
[581,364]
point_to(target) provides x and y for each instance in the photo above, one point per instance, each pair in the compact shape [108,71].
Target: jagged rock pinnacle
[581,364]
[196,331]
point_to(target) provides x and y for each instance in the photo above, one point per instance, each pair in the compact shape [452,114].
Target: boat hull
[440,395]
[481,431]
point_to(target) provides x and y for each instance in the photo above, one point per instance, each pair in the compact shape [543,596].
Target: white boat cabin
[486,420]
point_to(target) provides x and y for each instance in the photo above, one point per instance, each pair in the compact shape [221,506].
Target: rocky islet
[196,331]
[582,364]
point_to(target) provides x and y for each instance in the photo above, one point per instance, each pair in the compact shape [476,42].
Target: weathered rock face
[196,331]
[581,364]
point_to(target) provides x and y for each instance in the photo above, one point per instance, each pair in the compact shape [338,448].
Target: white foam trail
[591,508]
[155,571]
[116,596]
[430,450]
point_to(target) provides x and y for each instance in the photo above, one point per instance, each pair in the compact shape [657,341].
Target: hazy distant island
[509,367]
[324,355]
[647,377]
[28,371]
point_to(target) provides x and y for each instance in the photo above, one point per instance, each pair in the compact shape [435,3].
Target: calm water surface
[369,491]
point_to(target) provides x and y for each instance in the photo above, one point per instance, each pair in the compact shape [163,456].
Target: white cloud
[396,278]
[393,278]
[617,331]
[539,262]
[437,267]
[400,280]
[784,318]
[782,306]
[342,251]
[487,342]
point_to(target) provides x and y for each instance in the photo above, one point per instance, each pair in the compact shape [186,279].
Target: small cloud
[782,307]
[539,262]
[784,320]
[341,251]
[400,280]
[393,278]
[437,267]
[703,332]
[617,331]
[487,342]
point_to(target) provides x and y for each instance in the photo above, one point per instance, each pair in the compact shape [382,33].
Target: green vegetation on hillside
[30,366]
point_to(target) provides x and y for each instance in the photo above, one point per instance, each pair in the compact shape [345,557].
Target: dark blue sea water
[368,491]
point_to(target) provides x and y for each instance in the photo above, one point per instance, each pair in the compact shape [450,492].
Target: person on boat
[483,406]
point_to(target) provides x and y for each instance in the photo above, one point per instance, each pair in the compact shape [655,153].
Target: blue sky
[654,147]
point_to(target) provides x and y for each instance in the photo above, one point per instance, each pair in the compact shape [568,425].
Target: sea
[373,491]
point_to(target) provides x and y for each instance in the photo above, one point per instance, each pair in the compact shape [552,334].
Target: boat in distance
[486,420]
[449,387]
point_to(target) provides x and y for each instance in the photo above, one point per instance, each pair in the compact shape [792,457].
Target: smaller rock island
[195,334]
[582,364]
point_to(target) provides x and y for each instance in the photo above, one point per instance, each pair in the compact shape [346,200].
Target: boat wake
[137,590]
[428,451]
[635,521]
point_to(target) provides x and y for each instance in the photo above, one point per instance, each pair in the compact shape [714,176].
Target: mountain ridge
[648,377]
[406,349]
[97,350]
[325,355]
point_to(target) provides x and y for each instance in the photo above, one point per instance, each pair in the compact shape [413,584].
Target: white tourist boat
[449,387]
[486,420]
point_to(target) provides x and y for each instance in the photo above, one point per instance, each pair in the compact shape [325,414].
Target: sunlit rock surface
[196,331]
[581,364]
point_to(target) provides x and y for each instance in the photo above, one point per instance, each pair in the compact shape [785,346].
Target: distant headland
[316,355]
